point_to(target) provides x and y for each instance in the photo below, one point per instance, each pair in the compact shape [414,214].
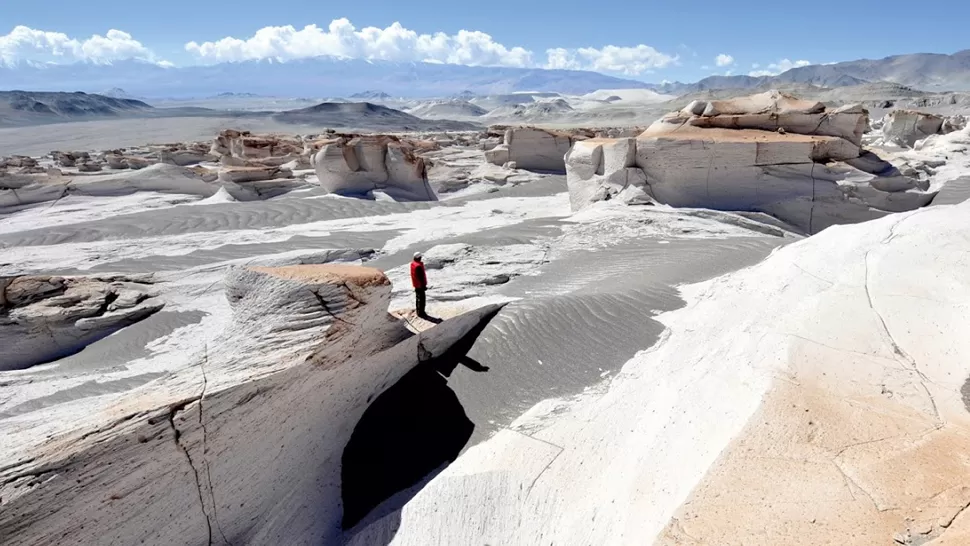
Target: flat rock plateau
[719,317]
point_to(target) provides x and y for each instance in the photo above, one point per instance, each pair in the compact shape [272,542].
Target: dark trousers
[419,301]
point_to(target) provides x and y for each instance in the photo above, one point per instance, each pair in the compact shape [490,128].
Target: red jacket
[418,278]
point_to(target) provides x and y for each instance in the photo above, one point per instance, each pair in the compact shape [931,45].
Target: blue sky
[651,40]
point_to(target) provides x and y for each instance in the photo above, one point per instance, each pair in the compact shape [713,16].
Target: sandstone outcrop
[359,165]
[768,153]
[246,446]
[905,127]
[46,318]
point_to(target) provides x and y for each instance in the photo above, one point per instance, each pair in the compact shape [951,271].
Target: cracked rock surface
[769,153]
[814,398]
[245,445]
[44,318]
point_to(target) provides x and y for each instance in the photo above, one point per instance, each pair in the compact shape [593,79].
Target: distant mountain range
[320,77]
[24,108]
[355,78]
[924,71]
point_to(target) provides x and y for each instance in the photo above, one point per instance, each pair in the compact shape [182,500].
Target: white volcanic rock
[814,398]
[789,176]
[88,167]
[905,127]
[532,149]
[247,446]
[45,318]
[241,175]
[359,165]
[245,145]
[953,123]
[25,190]
[602,169]
[183,158]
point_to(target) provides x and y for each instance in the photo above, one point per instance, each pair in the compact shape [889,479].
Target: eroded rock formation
[245,445]
[358,165]
[46,318]
[531,148]
[768,153]
[905,127]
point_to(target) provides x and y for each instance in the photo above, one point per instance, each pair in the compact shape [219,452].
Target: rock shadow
[415,428]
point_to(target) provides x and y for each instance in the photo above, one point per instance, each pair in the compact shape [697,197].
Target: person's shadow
[414,428]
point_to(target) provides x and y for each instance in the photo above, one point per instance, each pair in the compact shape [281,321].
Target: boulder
[600,169]
[265,437]
[64,159]
[532,149]
[358,165]
[116,162]
[46,318]
[183,158]
[88,167]
[138,162]
[953,123]
[905,127]
[241,175]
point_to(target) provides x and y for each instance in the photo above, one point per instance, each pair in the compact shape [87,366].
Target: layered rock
[245,145]
[46,318]
[184,158]
[531,148]
[16,191]
[692,158]
[604,169]
[245,445]
[359,165]
[905,127]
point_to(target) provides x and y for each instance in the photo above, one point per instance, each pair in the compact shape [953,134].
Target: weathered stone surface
[240,175]
[283,390]
[781,174]
[601,169]
[45,318]
[532,149]
[775,111]
[88,167]
[905,127]
[362,164]
[116,162]
[183,158]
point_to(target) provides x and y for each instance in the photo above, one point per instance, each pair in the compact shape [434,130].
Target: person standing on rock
[420,283]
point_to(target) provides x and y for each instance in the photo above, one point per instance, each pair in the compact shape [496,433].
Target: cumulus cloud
[774,69]
[626,60]
[396,43]
[724,60]
[27,44]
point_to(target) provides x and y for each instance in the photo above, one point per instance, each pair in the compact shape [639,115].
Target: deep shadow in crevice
[414,428]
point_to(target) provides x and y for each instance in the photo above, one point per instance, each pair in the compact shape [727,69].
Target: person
[419,280]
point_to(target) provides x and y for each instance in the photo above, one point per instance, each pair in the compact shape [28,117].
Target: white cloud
[396,43]
[27,44]
[724,60]
[774,69]
[755,65]
[626,60]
